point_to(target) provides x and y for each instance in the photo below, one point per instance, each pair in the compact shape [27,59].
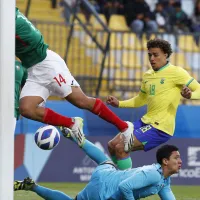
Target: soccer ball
[47,137]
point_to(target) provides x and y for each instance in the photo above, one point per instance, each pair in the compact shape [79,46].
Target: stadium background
[112,63]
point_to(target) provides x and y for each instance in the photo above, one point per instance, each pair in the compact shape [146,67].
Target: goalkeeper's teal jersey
[30,47]
[20,79]
[107,183]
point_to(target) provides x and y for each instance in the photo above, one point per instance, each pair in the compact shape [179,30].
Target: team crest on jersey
[162,81]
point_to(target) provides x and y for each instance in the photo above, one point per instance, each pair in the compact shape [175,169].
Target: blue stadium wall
[67,163]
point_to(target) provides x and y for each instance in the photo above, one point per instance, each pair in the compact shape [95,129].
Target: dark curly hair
[165,151]
[162,44]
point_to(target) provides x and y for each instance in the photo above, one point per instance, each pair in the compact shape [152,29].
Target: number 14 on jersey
[60,79]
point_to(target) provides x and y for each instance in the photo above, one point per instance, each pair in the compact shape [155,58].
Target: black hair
[165,152]
[159,4]
[177,4]
[164,45]
[196,10]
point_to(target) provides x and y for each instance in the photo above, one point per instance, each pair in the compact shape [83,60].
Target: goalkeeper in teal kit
[109,183]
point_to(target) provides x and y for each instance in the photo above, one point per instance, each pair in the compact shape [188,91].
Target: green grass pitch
[181,192]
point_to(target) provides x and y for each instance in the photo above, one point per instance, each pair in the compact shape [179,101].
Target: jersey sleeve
[137,101]
[182,77]
[142,88]
[195,88]
[137,181]
[166,193]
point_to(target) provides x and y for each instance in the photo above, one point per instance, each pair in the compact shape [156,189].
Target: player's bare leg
[115,146]
[29,108]
[96,106]
[119,156]
[79,99]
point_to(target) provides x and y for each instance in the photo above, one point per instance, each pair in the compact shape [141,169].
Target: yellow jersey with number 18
[163,93]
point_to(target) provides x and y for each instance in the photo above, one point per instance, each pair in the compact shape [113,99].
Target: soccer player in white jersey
[49,75]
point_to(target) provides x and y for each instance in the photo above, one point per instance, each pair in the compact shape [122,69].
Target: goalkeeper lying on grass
[109,183]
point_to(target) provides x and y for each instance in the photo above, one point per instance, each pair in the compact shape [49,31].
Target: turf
[181,192]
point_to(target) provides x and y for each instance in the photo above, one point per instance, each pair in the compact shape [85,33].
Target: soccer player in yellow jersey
[161,92]
[188,94]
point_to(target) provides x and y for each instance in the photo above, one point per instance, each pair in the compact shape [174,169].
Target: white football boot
[128,137]
[76,132]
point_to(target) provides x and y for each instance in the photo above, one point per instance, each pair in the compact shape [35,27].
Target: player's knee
[120,153]
[26,111]
[111,147]
[119,149]
[116,140]
[112,144]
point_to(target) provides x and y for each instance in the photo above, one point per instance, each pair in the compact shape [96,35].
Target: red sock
[105,113]
[56,119]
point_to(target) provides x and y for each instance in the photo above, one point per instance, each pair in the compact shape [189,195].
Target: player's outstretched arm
[191,88]
[192,91]
[138,181]
[135,102]
[113,101]
[138,101]
[166,193]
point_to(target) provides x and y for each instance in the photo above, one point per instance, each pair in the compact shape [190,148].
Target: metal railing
[105,61]
[27,8]
[126,61]
[103,48]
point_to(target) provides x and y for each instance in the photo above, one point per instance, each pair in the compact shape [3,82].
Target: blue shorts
[149,136]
